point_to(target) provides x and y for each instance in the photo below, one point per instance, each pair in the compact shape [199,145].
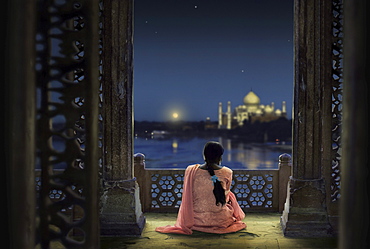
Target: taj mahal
[251,110]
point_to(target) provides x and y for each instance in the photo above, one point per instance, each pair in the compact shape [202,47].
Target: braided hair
[212,153]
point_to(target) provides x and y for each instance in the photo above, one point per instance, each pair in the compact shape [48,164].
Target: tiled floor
[263,231]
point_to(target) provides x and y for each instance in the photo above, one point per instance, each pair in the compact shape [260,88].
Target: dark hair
[212,154]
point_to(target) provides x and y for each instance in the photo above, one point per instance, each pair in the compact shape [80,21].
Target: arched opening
[191,56]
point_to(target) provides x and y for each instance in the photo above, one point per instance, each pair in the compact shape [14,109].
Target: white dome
[269,109]
[251,99]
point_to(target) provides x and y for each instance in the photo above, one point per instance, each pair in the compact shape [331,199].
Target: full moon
[175,115]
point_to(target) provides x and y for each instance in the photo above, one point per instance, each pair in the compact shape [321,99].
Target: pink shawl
[185,217]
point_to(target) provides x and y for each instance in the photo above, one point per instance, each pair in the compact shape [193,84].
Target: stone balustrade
[256,190]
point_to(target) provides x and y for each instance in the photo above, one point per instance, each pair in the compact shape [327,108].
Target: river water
[179,152]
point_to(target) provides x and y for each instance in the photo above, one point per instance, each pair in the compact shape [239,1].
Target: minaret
[283,109]
[219,115]
[228,115]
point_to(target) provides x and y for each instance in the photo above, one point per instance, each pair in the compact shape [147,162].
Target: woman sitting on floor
[201,210]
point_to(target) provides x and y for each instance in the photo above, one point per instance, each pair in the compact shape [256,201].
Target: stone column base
[121,213]
[305,213]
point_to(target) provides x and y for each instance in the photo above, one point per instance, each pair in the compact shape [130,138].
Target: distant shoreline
[268,132]
[277,131]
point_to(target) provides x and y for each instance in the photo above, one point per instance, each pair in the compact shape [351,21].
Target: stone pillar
[354,202]
[305,213]
[19,124]
[121,212]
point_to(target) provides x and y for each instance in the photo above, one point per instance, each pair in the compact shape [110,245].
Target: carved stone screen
[67,123]
[337,88]
[254,190]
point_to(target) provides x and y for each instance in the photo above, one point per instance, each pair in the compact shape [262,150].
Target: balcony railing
[161,190]
[255,190]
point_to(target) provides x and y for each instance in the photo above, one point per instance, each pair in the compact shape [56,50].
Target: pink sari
[198,210]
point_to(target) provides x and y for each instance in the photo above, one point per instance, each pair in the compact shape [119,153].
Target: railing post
[285,171]
[142,178]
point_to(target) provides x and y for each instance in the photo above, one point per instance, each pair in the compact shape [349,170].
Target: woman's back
[207,203]
[204,200]
[206,212]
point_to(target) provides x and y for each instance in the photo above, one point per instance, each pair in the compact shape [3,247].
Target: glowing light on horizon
[175,115]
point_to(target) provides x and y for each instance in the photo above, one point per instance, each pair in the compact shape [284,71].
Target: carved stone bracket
[123,184]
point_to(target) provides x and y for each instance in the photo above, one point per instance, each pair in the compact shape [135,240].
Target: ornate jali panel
[337,89]
[166,190]
[67,123]
[254,191]
[257,190]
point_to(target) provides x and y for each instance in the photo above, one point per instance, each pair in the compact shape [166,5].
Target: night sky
[189,55]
